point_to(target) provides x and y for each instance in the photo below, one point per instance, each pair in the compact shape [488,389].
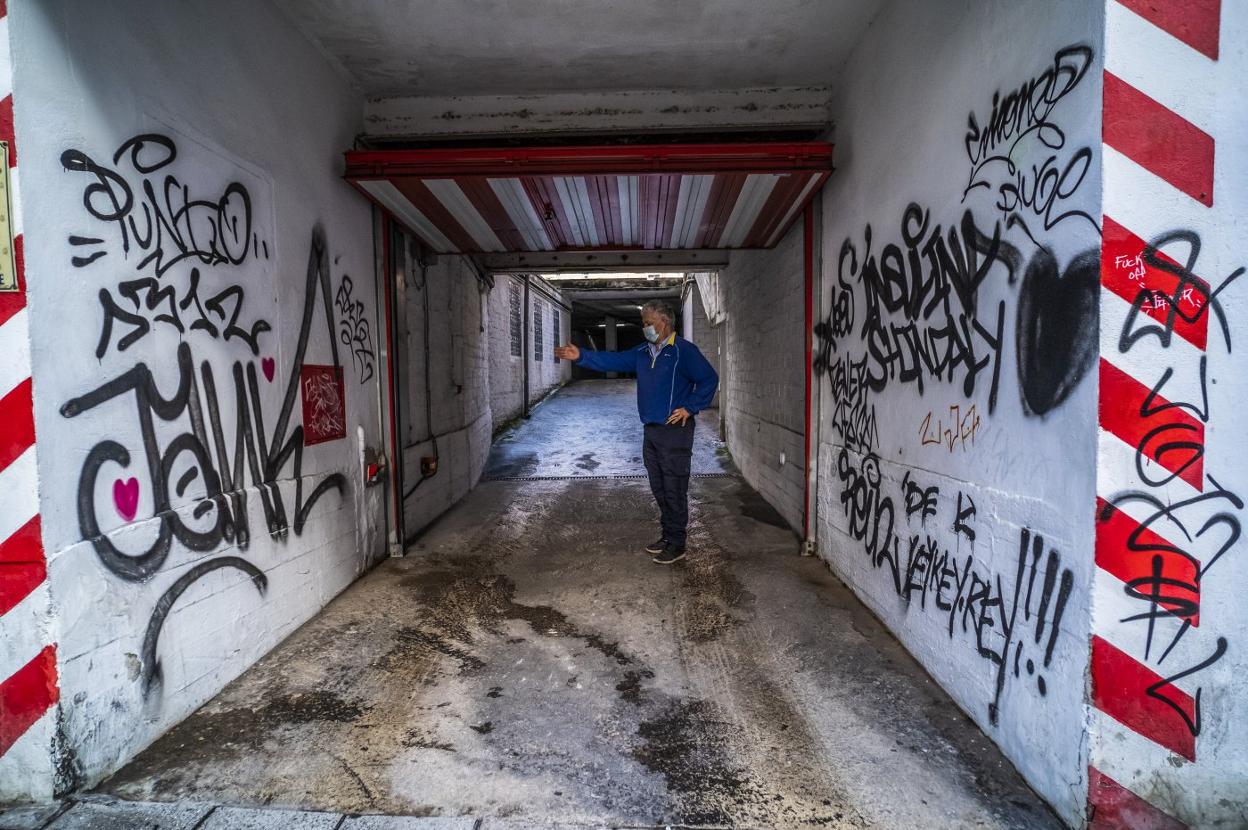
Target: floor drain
[637,476]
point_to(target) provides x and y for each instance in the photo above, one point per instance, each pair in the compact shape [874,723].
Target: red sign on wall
[324,405]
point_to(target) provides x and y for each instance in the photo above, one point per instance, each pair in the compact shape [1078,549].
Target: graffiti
[324,406]
[1170,551]
[354,331]
[155,215]
[853,415]
[958,432]
[154,302]
[1187,298]
[1056,331]
[941,333]
[1020,124]
[200,457]
[997,613]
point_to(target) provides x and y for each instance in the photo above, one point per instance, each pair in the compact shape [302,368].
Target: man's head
[660,317]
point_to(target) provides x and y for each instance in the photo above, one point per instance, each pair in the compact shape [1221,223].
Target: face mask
[650,333]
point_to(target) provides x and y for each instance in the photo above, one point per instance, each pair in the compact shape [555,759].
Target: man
[674,383]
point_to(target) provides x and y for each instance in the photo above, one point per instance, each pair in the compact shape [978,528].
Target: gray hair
[663,309]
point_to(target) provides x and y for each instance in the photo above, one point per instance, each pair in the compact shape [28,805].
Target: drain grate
[638,476]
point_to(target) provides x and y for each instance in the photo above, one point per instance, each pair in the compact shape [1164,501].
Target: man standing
[674,383]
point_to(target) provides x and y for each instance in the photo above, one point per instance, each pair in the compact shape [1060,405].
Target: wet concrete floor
[527,661]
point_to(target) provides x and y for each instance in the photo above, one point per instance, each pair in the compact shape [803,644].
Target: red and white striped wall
[1162,85]
[28,675]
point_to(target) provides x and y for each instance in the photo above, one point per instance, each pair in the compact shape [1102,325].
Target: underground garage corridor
[622,415]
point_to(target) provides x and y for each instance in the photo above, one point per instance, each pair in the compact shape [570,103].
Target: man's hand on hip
[679,416]
[568,352]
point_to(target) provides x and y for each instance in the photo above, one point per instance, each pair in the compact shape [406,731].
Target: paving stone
[408,823]
[131,816]
[32,817]
[247,818]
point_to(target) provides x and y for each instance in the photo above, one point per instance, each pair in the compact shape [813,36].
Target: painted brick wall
[457,425]
[957,357]
[209,386]
[762,373]
[506,368]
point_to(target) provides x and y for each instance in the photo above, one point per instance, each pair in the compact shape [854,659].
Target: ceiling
[640,197]
[537,47]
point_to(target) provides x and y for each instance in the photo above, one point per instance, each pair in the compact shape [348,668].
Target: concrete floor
[527,661]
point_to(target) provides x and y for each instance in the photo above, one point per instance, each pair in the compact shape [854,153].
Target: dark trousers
[667,452]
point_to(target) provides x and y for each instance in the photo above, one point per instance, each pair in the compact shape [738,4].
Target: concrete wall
[189,343]
[957,357]
[763,370]
[1169,674]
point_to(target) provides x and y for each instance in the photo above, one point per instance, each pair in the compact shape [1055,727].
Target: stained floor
[527,661]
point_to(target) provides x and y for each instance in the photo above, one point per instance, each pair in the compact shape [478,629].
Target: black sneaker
[670,554]
[656,547]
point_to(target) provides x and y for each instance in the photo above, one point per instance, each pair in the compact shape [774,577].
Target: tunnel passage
[527,660]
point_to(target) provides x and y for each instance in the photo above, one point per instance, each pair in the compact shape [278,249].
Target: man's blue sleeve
[702,374]
[609,361]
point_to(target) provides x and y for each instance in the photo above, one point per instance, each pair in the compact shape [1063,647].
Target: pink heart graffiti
[126,497]
[268,366]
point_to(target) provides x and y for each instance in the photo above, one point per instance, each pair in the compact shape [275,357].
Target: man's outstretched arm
[625,361]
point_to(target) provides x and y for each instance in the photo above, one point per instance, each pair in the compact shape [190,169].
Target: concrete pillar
[611,342]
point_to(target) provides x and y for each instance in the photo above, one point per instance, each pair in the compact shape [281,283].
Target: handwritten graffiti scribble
[152,301]
[354,331]
[156,215]
[1020,125]
[1179,541]
[958,431]
[972,601]
[324,407]
[173,464]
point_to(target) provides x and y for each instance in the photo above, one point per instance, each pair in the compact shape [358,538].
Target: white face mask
[650,333]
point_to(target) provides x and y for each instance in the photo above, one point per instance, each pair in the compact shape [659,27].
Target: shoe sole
[653,551]
[658,561]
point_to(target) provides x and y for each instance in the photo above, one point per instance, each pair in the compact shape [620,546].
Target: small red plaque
[324,405]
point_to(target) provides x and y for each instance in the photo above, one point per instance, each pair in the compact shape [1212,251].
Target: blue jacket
[678,376]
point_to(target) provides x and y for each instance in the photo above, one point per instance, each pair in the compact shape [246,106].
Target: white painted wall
[896,462]
[248,104]
[1184,748]
[763,370]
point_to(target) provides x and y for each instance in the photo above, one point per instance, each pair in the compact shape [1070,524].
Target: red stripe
[782,197]
[549,206]
[1158,139]
[431,206]
[599,212]
[1112,806]
[12,302]
[6,128]
[609,200]
[1195,22]
[723,196]
[1127,550]
[26,695]
[18,419]
[22,566]
[1123,402]
[487,203]
[1120,689]
[1124,272]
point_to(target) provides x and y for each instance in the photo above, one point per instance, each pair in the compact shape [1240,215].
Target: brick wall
[762,372]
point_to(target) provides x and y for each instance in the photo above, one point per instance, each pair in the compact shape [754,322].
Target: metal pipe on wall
[526,343]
